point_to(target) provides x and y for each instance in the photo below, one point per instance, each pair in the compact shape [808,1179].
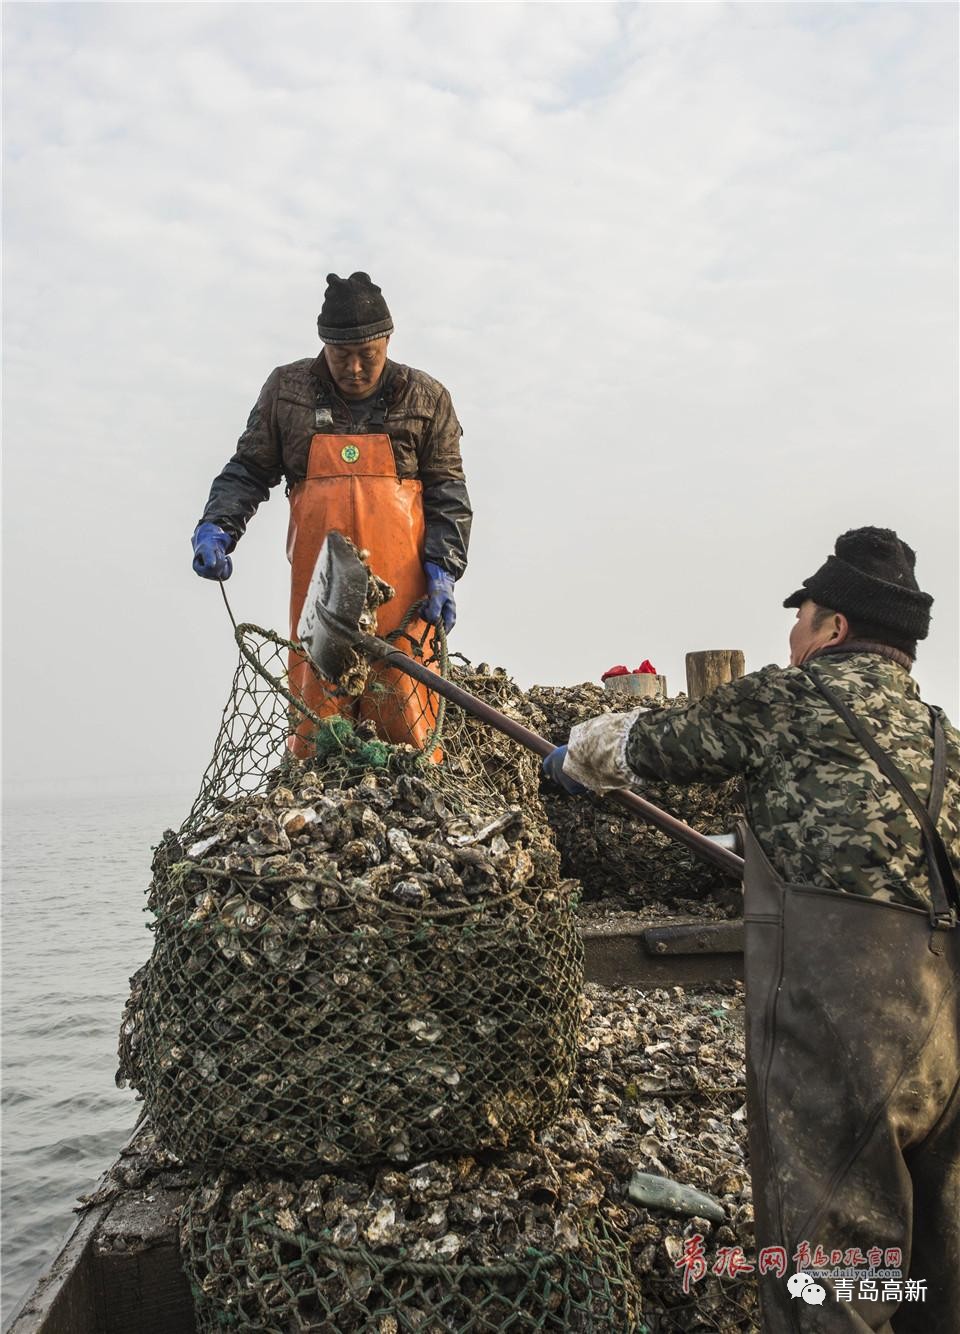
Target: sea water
[75,872]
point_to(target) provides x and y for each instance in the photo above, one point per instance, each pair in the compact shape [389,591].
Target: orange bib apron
[352,487]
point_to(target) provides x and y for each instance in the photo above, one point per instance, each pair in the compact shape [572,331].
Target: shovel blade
[329,627]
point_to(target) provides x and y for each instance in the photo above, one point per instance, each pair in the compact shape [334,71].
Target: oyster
[551,1192]
[396,976]
[612,853]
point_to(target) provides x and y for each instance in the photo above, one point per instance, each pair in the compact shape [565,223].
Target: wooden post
[642,684]
[711,668]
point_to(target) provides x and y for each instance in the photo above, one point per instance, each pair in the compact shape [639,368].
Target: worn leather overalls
[853,1079]
[351,485]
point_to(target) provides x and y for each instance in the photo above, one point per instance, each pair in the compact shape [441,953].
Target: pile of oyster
[355,845]
[650,1149]
[612,853]
[481,757]
[478,1209]
[361,1021]
[660,1093]
[510,1241]
[353,971]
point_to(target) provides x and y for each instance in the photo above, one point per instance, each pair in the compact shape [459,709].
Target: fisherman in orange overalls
[368,448]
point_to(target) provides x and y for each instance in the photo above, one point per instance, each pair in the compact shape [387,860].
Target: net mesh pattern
[358,957]
[261,715]
[271,1043]
[247,1273]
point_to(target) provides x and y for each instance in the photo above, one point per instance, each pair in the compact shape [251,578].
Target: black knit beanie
[871,581]
[354,310]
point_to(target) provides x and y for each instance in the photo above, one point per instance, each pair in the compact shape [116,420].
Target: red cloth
[646,668]
[615,671]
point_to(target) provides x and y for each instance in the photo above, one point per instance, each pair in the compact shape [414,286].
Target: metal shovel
[330,633]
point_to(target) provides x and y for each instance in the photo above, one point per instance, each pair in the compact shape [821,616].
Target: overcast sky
[688,271]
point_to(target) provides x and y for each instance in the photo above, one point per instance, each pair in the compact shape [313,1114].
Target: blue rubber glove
[553,768]
[441,603]
[210,547]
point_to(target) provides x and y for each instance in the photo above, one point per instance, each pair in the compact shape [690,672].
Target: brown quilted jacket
[300,399]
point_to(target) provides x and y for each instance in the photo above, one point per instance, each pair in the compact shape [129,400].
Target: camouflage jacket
[301,399]
[821,809]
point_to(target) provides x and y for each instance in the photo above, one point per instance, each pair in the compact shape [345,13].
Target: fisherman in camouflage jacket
[852,949]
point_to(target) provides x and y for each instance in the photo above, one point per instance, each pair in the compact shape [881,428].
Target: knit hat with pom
[354,311]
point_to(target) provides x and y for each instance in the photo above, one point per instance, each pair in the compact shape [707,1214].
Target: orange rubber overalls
[351,486]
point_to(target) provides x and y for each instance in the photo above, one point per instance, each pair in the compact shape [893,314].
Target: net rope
[360,955]
[262,713]
[248,1274]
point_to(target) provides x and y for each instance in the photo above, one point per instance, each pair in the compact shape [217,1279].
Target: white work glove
[596,752]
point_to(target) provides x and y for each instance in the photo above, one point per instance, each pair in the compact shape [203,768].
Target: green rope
[330,739]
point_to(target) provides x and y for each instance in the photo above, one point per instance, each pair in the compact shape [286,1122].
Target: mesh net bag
[444,1249]
[614,854]
[262,715]
[357,957]
[484,759]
